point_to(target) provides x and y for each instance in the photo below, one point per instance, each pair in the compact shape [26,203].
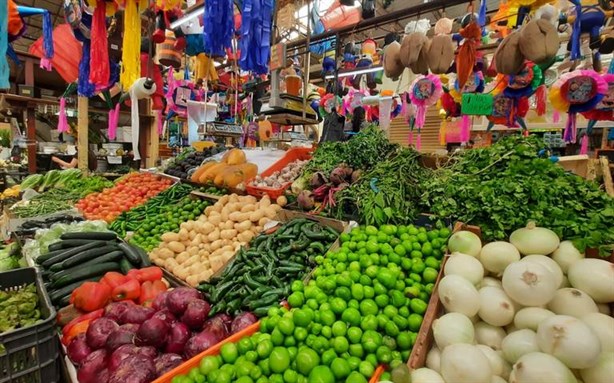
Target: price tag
[114,160]
[477,104]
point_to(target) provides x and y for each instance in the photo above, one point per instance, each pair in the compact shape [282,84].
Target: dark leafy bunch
[502,187]
[388,193]
[363,151]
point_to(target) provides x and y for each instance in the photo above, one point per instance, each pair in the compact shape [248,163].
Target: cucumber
[92,235]
[131,254]
[69,253]
[113,256]
[86,272]
[85,256]
[67,244]
[125,265]
[145,261]
[56,295]
[50,254]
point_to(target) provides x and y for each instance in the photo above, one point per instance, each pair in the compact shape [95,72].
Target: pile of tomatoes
[134,189]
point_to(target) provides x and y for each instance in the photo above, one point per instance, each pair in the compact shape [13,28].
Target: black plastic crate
[30,354]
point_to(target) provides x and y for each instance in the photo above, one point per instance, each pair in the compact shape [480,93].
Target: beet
[166,316]
[305,200]
[167,362]
[178,299]
[153,332]
[242,321]
[136,314]
[195,314]
[115,309]
[120,337]
[98,332]
[78,349]
[317,179]
[177,338]
[159,302]
[134,369]
[200,342]
[338,175]
[92,365]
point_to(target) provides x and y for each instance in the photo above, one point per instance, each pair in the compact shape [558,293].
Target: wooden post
[153,147]
[82,133]
[31,137]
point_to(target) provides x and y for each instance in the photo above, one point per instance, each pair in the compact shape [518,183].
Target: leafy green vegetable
[32,181]
[502,187]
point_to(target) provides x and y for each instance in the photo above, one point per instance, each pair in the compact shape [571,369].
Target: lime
[430,275]
[306,360]
[418,266]
[371,271]
[327,332]
[321,374]
[252,356]
[343,293]
[328,356]
[369,322]
[366,369]
[327,317]
[353,303]
[418,306]
[277,337]
[356,350]
[223,377]
[358,291]
[208,364]
[404,341]
[369,292]
[290,376]
[354,362]
[355,274]
[340,344]
[398,298]
[372,247]
[229,352]
[256,373]
[296,299]
[300,334]
[414,321]
[340,368]
[370,230]
[321,344]
[244,368]
[293,351]
[379,288]
[289,341]
[382,301]
[432,262]
[368,307]
[264,348]
[351,316]
[196,376]
[276,378]
[265,366]
[422,237]
[384,354]
[339,328]
[400,321]
[371,340]
[245,345]
[386,249]
[337,305]
[302,317]
[279,360]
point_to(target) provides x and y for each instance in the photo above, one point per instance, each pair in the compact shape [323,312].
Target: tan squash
[211,173]
[196,175]
[236,157]
[219,179]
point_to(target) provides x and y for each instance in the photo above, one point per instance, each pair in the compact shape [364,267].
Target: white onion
[425,375]
[531,317]
[604,308]
[491,282]
[459,295]
[497,379]
[489,335]
[510,328]
[566,254]
[519,343]
[595,277]
[549,264]
[495,360]
[465,242]
[466,266]
[465,363]
[534,240]
[496,308]
[537,367]
[529,283]
[603,326]
[453,328]
[433,359]
[602,372]
[565,282]
[495,256]
[570,340]
[574,302]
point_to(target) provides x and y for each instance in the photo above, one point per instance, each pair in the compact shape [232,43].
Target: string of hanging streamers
[255,43]
[218,26]
[62,119]
[131,48]
[48,35]
[4,43]
[85,87]
[99,58]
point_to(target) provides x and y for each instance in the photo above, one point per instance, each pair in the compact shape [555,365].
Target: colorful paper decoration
[508,111]
[4,65]
[131,47]
[425,91]
[576,92]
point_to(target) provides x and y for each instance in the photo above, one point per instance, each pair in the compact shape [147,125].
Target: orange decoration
[465,59]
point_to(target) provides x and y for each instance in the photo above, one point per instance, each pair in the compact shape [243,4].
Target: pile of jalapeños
[260,275]
[87,256]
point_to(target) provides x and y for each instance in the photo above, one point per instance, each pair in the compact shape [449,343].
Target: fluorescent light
[188,16]
[355,72]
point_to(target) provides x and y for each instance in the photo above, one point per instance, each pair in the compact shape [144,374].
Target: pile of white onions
[532,310]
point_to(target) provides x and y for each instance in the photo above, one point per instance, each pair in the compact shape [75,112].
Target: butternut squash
[219,179]
[249,170]
[196,175]
[232,176]
[211,173]
[236,157]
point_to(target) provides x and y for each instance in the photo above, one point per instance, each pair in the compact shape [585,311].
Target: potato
[215,220]
[228,234]
[181,258]
[263,221]
[226,248]
[192,280]
[154,255]
[243,237]
[248,208]
[282,201]
[192,235]
[243,226]
[180,272]
[225,198]
[205,275]
[256,215]
[265,202]
[214,235]
[217,263]
[159,262]
[276,207]
[189,226]
[202,218]
[183,234]
[192,250]
[208,210]
[206,228]
[190,261]
[165,253]
[270,212]
[170,237]
[198,239]
[235,216]
[233,198]
[227,225]
[205,247]
[250,199]
[177,247]
[227,255]
[216,245]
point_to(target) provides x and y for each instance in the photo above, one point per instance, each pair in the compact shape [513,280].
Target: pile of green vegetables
[52,179]
[260,276]
[10,257]
[387,193]
[19,308]
[502,187]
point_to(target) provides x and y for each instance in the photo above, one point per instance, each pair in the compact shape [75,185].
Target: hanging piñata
[255,42]
[604,111]
[425,91]
[131,48]
[218,22]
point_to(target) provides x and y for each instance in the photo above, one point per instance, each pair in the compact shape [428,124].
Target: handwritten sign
[477,104]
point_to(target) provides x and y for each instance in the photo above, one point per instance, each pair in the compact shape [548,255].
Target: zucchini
[67,244]
[131,254]
[92,235]
[125,265]
[86,272]
[87,255]
[69,253]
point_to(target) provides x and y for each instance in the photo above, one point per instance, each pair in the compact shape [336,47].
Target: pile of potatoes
[204,246]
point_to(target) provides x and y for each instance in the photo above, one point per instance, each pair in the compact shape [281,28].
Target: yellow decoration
[205,68]
[131,49]
[168,4]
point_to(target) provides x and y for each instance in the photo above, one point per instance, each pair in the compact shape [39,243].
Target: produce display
[128,192]
[19,308]
[32,226]
[204,246]
[279,178]
[10,257]
[261,274]
[85,257]
[231,171]
[542,311]
[190,159]
[125,341]
[52,179]
[11,193]
[362,308]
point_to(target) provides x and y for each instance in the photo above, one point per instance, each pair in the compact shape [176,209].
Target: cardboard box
[28,90]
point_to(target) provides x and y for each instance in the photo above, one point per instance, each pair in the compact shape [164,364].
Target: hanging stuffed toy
[100,69]
[368,52]
[393,67]
[425,91]
[467,53]
[498,22]
[441,52]
[178,94]
[539,39]
[508,58]
[415,46]
[576,92]
[168,11]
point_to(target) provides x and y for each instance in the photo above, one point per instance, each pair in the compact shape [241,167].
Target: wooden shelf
[290,119]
